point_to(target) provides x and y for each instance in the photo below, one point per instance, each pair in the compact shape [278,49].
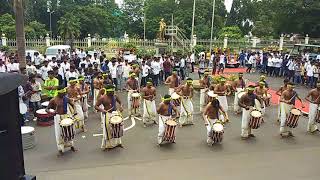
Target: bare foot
[155,122]
[73,149]
[60,153]
[120,145]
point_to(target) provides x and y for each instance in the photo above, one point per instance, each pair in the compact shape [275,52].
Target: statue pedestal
[160,48]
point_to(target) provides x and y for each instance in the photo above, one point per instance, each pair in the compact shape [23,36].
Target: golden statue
[162,29]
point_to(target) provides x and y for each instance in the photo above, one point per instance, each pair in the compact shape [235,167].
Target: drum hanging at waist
[116,126]
[255,119]
[67,129]
[292,120]
[217,132]
[170,128]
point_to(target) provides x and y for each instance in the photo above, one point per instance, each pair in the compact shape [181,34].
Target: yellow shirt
[50,83]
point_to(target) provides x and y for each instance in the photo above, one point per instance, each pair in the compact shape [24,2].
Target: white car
[52,51]
[128,56]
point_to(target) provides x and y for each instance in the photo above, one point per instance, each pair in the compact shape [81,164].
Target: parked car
[52,51]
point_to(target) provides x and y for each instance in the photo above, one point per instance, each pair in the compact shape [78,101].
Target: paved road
[265,157]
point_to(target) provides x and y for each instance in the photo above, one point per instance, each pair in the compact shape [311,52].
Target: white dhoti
[149,111]
[84,105]
[137,110]
[171,91]
[236,106]
[209,129]
[245,129]
[79,117]
[203,99]
[61,144]
[162,127]
[95,96]
[259,106]
[186,112]
[312,124]
[107,140]
[284,113]
[223,102]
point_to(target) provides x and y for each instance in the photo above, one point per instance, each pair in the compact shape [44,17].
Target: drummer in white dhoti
[248,102]
[74,93]
[287,102]
[211,115]
[173,81]
[109,102]
[262,93]
[165,111]
[222,90]
[314,109]
[186,112]
[204,85]
[149,103]
[84,89]
[97,85]
[279,92]
[132,86]
[238,88]
[60,104]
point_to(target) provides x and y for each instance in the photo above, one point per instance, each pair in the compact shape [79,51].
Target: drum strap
[65,104]
[170,109]
[113,103]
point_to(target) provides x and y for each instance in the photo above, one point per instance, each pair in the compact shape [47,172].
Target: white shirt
[37,61]
[82,54]
[309,70]
[92,61]
[113,71]
[64,67]
[145,70]
[3,68]
[290,65]
[71,74]
[44,71]
[155,67]
[251,60]
[60,71]
[126,70]
[315,72]
[182,63]
[318,57]
[31,69]
[36,97]
[278,63]
[13,67]
[53,64]
[86,63]
[221,61]
[192,59]
[270,62]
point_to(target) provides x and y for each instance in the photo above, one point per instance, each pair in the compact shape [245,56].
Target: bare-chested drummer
[204,85]
[279,92]
[248,102]
[60,105]
[211,115]
[97,85]
[186,112]
[287,102]
[262,93]
[239,86]
[132,86]
[222,90]
[74,93]
[109,102]
[149,103]
[313,98]
[173,81]
[165,111]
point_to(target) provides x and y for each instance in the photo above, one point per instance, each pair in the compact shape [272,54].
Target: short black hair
[50,72]
[166,96]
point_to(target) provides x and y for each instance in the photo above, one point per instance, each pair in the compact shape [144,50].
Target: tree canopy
[262,18]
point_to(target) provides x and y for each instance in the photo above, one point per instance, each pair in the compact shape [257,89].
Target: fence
[104,43]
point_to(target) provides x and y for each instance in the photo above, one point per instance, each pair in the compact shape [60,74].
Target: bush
[129,46]
[5,48]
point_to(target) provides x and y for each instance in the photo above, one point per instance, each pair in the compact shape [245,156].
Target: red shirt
[167,66]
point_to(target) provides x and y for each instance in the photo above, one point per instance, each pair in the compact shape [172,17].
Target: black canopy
[10,81]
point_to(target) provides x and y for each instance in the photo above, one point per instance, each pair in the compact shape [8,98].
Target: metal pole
[193,14]
[50,25]
[212,20]
[172,29]
[144,24]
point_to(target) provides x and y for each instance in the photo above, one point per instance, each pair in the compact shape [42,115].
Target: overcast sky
[228,3]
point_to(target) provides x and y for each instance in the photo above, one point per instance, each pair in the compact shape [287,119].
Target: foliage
[129,46]
[199,48]
[5,48]
[35,30]
[233,32]
[69,26]
[7,25]
[143,52]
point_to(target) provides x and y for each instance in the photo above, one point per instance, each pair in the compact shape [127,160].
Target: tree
[233,32]
[69,26]
[7,25]
[20,36]
[35,30]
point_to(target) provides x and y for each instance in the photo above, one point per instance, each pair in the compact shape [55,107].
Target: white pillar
[254,42]
[47,40]
[194,41]
[225,42]
[281,42]
[4,40]
[89,40]
[306,40]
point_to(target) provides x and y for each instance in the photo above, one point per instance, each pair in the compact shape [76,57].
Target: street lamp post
[212,20]
[50,22]
[144,23]
[192,28]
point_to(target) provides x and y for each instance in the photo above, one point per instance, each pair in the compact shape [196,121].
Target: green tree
[69,26]
[233,32]
[7,25]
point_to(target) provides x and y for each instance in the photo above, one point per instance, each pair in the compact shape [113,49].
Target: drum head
[171,123]
[116,120]
[218,127]
[241,94]
[26,129]
[41,111]
[296,112]
[256,114]
[175,96]
[45,104]
[135,94]
[66,122]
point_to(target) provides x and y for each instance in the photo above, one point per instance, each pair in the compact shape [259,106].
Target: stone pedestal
[160,48]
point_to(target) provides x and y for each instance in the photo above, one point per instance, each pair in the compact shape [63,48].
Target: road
[265,157]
